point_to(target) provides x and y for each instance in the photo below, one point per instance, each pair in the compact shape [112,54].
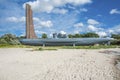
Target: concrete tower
[30,33]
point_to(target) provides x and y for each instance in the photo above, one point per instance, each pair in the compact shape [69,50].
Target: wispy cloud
[115,11]
[92,28]
[115,29]
[102,33]
[92,22]
[36,20]
[79,24]
[83,10]
[60,11]
[49,5]
[15,19]
[46,23]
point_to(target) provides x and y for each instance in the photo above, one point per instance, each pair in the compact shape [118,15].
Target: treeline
[73,35]
[86,35]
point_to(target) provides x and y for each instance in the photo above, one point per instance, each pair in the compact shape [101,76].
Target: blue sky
[61,16]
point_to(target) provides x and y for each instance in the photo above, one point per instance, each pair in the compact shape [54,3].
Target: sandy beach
[62,64]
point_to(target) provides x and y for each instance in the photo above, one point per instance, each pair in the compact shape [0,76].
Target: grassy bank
[14,46]
[40,48]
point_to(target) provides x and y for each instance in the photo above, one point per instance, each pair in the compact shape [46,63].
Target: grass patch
[91,47]
[44,48]
[58,47]
[15,46]
[36,48]
[76,47]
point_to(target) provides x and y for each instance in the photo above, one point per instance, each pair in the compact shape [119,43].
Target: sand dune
[63,64]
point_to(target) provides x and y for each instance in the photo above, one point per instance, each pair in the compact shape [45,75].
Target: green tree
[70,36]
[116,36]
[83,35]
[44,35]
[77,35]
[21,37]
[91,35]
[9,39]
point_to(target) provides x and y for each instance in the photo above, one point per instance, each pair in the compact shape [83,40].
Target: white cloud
[83,10]
[71,7]
[114,11]
[39,32]
[12,19]
[60,11]
[36,20]
[97,30]
[49,5]
[62,32]
[102,34]
[46,23]
[110,31]
[22,19]
[115,29]
[79,24]
[92,22]
[42,24]
[15,19]
[92,28]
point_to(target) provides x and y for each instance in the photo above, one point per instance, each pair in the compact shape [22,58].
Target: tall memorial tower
[30,33]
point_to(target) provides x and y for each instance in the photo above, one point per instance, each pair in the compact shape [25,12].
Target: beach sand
[63,64]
